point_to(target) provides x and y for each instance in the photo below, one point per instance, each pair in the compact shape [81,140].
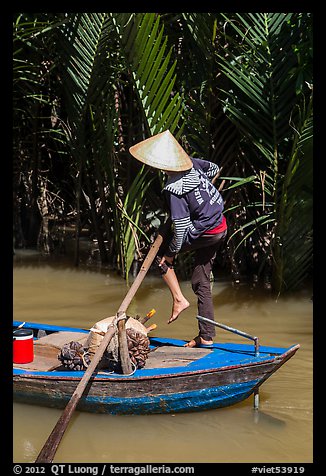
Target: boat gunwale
[153,373]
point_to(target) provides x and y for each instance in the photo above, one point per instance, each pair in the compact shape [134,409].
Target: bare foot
[197,342]
[178,307]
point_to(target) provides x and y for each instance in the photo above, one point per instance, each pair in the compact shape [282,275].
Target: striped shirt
[196,206]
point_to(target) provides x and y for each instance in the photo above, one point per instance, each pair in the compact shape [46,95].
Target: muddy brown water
[281,431]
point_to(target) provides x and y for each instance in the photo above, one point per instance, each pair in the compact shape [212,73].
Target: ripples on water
[280,432]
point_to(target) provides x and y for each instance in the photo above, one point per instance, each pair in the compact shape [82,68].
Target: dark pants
[205,248]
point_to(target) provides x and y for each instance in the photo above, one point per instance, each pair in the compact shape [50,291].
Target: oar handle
[140,276]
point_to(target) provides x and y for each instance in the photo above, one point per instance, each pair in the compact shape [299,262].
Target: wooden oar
[50,447]
[48,451]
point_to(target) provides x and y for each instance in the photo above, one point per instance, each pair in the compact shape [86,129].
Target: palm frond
[131,210]
[149,59]
[80,55]
[260,97]
[295,209]
[262,92]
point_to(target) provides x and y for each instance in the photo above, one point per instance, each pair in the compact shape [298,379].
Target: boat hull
[225,376]
[191,401]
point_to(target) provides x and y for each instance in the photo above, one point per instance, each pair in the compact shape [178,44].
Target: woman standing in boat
[196,209]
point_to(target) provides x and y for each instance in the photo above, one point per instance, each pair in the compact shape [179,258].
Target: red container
[23,348]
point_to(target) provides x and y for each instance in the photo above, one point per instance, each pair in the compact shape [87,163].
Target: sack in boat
[137,340]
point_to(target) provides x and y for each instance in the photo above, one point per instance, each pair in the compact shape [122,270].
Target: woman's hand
[168,259]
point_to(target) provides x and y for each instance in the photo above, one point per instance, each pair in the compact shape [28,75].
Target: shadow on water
[262,417]
[35,259]
[246,293]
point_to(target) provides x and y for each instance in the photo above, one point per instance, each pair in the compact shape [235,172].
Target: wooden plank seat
[58,339]
[47,348]
[170,356]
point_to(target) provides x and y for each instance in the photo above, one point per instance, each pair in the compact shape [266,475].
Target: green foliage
[265,101]
[234,88]
[148,57]
[94,80]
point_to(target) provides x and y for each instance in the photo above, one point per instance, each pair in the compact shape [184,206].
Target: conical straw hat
[162,151]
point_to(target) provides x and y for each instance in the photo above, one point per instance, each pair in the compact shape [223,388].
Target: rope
[120,318]
[131,373]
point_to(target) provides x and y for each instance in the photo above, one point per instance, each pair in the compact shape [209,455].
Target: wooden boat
[174,379]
